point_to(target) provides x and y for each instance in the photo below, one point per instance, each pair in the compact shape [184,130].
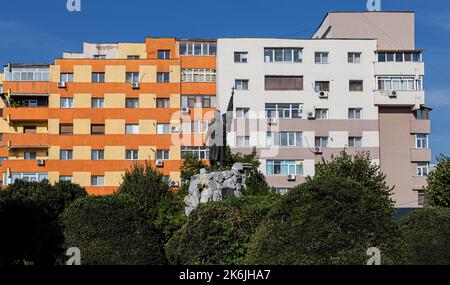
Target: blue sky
[40,30]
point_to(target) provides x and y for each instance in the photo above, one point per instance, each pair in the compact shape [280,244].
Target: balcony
[23,141]
[411,99]
[414,68]
[419,182]
[26,114]
[420,154]
[420,126]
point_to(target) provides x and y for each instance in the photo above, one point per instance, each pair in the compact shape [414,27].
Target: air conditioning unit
[311,115]
[393,94]
[185,110]
[323,94]
[318,150]
[40,162]
[135,85]
[272,121]
[174,184]
[62,84]
[159,163]
[291,177]
[175,129]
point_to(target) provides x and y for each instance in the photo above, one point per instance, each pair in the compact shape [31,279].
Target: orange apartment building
[89,116]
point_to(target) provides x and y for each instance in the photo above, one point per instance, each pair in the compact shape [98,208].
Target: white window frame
[324,57]
[242,113]
[163,154]
[293,167]
[242,57]
[354,57]
[134,103]
[322,113]
[66,103]
[352,113]
[132,77]
[388,83]
[66,77]
[293,139]
[423,169]
[422,141]
[66,154]
[356,141]
[269,111]
[97,154]
[243,141]
[99,180]
[131,154]
[199,152]
[162,129]
[242,84]
[97,103]
[134,129]
[323,142]
[96,76]
[272,55]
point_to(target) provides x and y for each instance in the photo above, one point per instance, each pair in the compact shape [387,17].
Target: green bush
[219,232]
[427,232]
[438,189]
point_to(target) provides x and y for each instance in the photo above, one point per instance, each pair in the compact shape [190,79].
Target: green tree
[191,166]
[110,230]
[427,232]
[219,232]
[438,189]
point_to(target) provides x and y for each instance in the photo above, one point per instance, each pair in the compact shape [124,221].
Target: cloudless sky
[40,30]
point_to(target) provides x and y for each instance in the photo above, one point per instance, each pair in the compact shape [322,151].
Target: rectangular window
[321,114]
[97,180]
[131,129]
[162,129]
[162,103]
[356,85]
[132,77]
[321,142]
[421,140]
[240,57]
[407,56]
[354,57]
[99,56]
[284,82]
[284,139]
[163,154]
[194,127]
[30,103]
[66,102]
[241,84]
[131,154]
[199,152]
[97,154]
[97,129]
[19,73]
[284,111]
[421,198]
[242,141]
[132,103]
[322,86]
[284,167]
[355,141]
[29,155]
[355,113]
[65,179]
[163,54]
[66,77]
[242,113]
[29,129]
[283,55]
[321,57]
[66,129]
[400,83]
[133,57]
[97,102]
[66,154]
[98,77]
[198,48]
[198,101]
[423,168]
[163,77]
[198,75]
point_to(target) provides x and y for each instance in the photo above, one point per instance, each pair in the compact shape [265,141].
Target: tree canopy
[438,189]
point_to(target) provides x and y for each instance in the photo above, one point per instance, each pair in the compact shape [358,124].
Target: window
[65,178]
[242,141]
[29,129]
[131,57]
[97,129]
[422,141]
[132,103]
[321,57]
[162,103]
[284,111]
[98,77]
[131,154]
[29,177]
[242,113]
[97,154]
[199,152]
[132,77]
[321,142]
[400,56]
[322,86]
[355,141]
[163,77]
[97,180]
[66,77]
[66,102]
[284,167]
[30,103]
[38,73]
[66,154]
[198,101]
[422,168]
[354,57]
[97,102]
[162,129]
[281,191]
[99,56]
[241,84]
[284,139]
[29,155]
[198,75]
[194,127]
[321,114]
[198,48]
[132,129]
[284,82]
[282,55]
[163,154]
[66,129]
[421,198]
[356,85]
[355,113]
[163,54]
[241,57]
[423,114]
[399,83]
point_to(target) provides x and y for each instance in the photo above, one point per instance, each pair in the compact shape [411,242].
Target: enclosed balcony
[410,98]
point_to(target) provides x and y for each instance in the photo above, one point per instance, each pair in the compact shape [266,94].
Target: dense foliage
[438,190]
[427,232]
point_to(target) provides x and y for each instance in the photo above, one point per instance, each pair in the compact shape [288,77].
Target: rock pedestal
[214,186]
